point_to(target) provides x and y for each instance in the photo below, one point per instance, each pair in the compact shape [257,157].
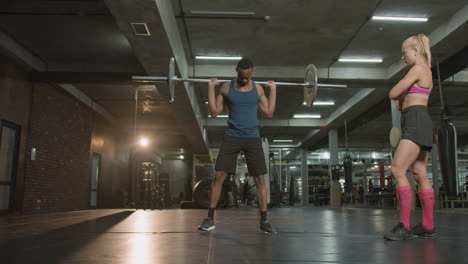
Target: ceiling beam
[459,77]
[453,65]
[68,8]
[78,94]
[19,53]
[196,133]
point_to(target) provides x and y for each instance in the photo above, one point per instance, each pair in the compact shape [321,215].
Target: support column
[266,153]
[335,190]
[382,174]
[305,178]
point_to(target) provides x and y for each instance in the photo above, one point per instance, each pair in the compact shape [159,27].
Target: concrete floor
[306,235]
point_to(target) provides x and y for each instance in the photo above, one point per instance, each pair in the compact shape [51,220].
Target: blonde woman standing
[412,95]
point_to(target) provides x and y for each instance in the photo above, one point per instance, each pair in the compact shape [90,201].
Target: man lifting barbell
[243,97]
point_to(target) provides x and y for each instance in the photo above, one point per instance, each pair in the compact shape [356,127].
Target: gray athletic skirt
[416,125]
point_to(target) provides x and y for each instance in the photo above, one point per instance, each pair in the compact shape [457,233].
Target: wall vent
[140,29]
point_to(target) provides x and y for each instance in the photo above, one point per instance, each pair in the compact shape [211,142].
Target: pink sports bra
[416,90]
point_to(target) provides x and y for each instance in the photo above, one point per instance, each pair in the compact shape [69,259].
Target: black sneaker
[266,228]
[207,224]
[399,232]
[420,231]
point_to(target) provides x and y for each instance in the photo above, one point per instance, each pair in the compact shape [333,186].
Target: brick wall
[65,133]
[60,130]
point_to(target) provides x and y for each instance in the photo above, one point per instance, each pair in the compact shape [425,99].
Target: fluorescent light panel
[220,116]
[222,13]
[360,60]
[283,140]
[389,18]
[284,145]
[307,116]
[216,58]
[321,103]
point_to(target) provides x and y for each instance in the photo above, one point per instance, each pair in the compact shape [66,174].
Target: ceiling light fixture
[219,116]
[224,15]
[221,13]
[216,58]
[307,116]
[360,60]
[283,140]
[321,103]
[390,18]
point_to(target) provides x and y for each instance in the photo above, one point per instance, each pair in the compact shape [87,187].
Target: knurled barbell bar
[310,82]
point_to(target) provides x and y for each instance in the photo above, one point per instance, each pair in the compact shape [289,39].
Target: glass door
[9,145]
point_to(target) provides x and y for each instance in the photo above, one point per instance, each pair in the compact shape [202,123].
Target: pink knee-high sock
[427,203]
[405,198]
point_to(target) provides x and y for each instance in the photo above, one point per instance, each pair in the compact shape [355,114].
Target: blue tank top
[243,107]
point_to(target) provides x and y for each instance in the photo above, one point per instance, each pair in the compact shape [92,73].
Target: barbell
[310,82]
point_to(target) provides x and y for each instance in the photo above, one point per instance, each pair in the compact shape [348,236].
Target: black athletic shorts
[416,125]
[253,150]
